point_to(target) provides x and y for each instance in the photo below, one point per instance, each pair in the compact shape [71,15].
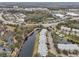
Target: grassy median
[35,51]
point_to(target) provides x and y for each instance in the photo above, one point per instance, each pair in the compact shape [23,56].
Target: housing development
[39,31]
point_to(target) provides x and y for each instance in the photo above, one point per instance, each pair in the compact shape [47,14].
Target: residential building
[72,31]
[72,14]
[59,15]
[75,32]
[65,30]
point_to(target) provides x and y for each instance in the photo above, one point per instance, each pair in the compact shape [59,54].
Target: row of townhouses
[72,31]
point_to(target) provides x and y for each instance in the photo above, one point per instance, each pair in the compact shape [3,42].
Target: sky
[39,0]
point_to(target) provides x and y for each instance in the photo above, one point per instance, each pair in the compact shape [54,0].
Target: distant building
[15,7]
[59,15]
[35,9]
[72,10]
[75,32]
[65,29]
[68,47]
[75,18]
[72,14]
[20,21]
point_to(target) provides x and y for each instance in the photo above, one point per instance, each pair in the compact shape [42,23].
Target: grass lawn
[73,38]
[35,51]
[51,55]
[1,42]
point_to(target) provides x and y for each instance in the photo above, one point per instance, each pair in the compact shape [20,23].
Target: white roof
[75,30]
[22,20]
[72,14]
[59,15]
[65,28]
[68,47]
[32,9]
